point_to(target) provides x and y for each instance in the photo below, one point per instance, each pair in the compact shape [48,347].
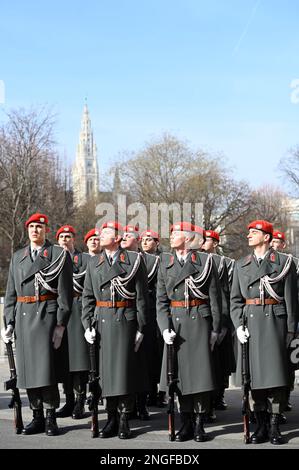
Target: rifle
[11,384]
[172,386]
[94,388]
[246,386]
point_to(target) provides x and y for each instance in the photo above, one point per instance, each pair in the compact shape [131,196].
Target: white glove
[57,336]
[213,339]
[169,336]
[289,339]
[90,335]
[221,335]
[242,334]
[138,340]
[6,334]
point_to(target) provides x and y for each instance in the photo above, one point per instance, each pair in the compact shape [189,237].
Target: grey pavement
[226,433]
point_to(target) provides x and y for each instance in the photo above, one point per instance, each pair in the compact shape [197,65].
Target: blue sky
[216,73]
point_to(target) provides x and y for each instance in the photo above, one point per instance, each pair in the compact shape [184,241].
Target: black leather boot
[67,409]
[275,436]
[124,430]
[78,411]
[51,425]
[37,425]
[211,416]
[199,432]
[111,427]
[187,430]
[220,403]
[261,433]
[142,411]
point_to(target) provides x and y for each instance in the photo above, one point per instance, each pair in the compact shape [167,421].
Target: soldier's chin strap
[194,284]
[118,283]
[266,281]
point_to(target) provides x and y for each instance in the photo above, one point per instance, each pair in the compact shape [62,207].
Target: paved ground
[226,433]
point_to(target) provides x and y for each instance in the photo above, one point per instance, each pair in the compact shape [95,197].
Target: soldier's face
[129,241]
[109,237]
[37,233]
[93,245]
[257,237]
[209,245]
[277,244]
[66,241]
[149,244]
[178,240]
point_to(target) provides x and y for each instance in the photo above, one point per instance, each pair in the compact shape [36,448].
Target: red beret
[182,227]
[199,229]
[150,233]
[212,234]
[39,218]
[131,229]
[112,224]
[65,229]
[94,232]
[279,235]
[263,225]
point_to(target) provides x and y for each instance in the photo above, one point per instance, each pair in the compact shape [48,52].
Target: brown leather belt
[257,301]
[31,299]
[117,303]
[192,303]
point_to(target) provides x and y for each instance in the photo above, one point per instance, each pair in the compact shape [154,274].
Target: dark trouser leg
[51,402]
[67,409]
[47,397]
[111,426]
[201,406]
[258,404]
[142,411]
[125,406]
[186,431]
[79,381]
[277,401]
[37,425]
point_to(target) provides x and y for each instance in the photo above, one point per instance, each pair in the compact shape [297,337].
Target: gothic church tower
[85,170]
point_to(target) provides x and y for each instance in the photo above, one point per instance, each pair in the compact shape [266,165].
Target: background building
[85,170]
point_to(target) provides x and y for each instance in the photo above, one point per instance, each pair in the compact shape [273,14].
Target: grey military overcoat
[268,324]
[193,327]
[77,344]
[34,323]
[122,369]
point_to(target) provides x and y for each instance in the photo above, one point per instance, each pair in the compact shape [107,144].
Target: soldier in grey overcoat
[37,307]
[115,295]
[150,244]
[223,351]
[264,296]
[77,348]
[279,243]
[188,291]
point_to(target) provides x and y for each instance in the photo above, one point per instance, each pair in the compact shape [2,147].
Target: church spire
[85,171]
